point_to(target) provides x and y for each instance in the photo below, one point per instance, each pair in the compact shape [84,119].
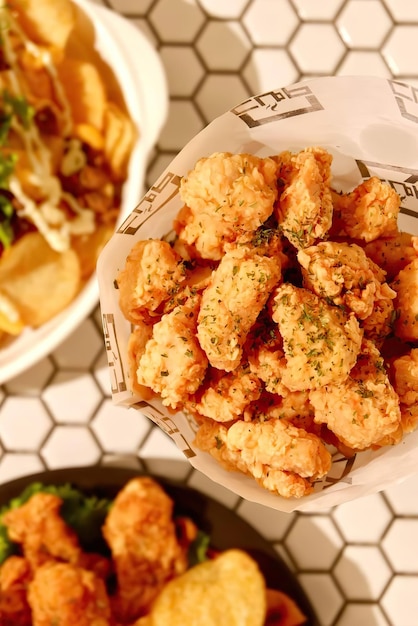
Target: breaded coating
[264,352]
[304,209]
[409,417]
[405,381]
[238,291]
[138,339]
[15,575]
[43,534]
[378,325]
[225,195]
[392,254]
[368,212]
[321,342]
[226,397]
[406,302]
[268,365]
[173,364]
[141,534]
[67,595]
[152,273]
[363,411]
[342,273]
[282,458]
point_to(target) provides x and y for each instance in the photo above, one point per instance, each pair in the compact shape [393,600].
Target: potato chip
[84,79]
[226,591]
[120,135]
[10,320]
[89,135]
[46,21]
[38,281]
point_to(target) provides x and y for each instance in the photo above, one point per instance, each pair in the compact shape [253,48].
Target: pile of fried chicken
[283,317]
[53,582]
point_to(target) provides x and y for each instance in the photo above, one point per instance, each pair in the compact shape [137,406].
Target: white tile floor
[358,562]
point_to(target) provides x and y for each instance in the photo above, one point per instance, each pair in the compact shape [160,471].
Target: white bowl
[142,80]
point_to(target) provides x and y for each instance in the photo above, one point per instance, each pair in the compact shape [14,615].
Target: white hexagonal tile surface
[400,544]
[118,429]
[216,53]
[351,572]
[70,446]
[223,46]
[270,22]
[400,601]
[314,542]
[176,21]
[183,68]
[24,424]
[363,29]
[364,519]
[317,48]
[72,397]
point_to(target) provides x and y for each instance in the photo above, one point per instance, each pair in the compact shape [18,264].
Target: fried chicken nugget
[392,254]
[141,534]
[406,377]
[281,457]
[138,339]
[239,289]
[342,273]
[321,342]
[153,271]
[15,575]
[363,411]
[226,397]
[304,209]
[225,195]
[368,212]
[43,534]
[173,364]
[406,302]
[409,417]
[65,594]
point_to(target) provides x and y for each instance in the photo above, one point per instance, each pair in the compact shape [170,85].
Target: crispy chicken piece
[368,212]
[141,534]
[264,352]
[405,381]
[282,458]
[152,273]
[137,342]
[15,575]
[268,363]
[65,594]
[225,195]
[43,534]
[406,302]
[226,396]
[304,209]
[238,291]
[173,364]
[342,273]
[321,342]
[409,417]
[363,410]
[392,254]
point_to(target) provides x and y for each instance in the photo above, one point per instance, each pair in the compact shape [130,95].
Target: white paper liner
[370,126]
